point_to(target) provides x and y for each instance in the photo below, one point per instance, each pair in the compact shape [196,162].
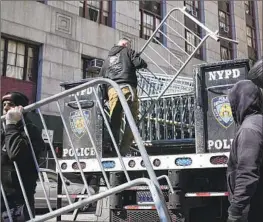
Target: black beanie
[19,99]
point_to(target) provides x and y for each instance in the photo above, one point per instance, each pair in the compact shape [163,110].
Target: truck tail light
[218,160]
[183,161]
[64,166]
[75,165]
[108,164]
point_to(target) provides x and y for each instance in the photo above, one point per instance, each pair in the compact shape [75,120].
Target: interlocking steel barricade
[150,84]
[152,182]
[178,53]
[172,118]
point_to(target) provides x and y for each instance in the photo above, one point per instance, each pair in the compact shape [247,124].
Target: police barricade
[172,119]
[152,182]
[214,123]
[171,52]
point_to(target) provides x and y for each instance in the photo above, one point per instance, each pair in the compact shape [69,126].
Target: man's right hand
[14,115]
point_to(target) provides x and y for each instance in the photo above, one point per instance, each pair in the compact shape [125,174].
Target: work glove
[14,115]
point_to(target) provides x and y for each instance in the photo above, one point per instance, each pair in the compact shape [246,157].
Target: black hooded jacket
[121,65]
[15,147]
[244,172]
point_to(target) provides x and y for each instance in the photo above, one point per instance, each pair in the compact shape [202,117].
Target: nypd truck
[187,137]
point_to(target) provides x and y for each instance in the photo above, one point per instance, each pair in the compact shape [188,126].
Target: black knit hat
[19,99]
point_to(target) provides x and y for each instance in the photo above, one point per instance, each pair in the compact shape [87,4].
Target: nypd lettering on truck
[221,109]
[224,74]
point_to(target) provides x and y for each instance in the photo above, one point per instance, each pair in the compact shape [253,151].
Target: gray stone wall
[241,33]
[64,37]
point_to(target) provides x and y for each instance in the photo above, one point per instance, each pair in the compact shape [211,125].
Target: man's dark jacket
[121,65]
[244,172]
[15,147]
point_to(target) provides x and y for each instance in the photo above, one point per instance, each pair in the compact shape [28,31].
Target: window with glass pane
[15,60]
[30,64]
[105,12]
[251,30]
[189,5]
[81,8]
[249,7]
[86,72]
[191,43]
[192,7]
[251,42]
[249,37]
[97,11]
[225,53]
[93,10]
[150,17]
[227,6]
[148,25]
[18,60]
[223,21]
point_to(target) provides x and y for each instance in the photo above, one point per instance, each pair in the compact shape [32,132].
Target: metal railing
[152,182]
[179,50]
[171,118]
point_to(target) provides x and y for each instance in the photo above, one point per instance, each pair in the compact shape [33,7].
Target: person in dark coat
[244,171]
[120,66]
[15,147]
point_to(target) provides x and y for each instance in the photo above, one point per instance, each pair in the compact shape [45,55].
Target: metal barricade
[152,85]
[179,50]
[172,118]
[152,182]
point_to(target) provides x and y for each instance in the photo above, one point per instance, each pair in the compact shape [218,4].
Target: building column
[113,14]
[39,73]
[257,29]
[233,28]
[202,19]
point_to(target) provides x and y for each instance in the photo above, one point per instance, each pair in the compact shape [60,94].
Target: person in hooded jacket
[15,147]
[244,171]
[120,66]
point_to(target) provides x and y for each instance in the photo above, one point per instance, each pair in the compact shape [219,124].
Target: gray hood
[245,99]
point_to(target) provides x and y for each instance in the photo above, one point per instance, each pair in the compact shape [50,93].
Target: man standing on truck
[245,165]
[120,66]
[15,147]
